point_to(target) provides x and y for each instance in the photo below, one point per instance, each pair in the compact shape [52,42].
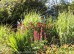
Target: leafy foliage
[4,34]
[20,42]
[32,17]
[65,27]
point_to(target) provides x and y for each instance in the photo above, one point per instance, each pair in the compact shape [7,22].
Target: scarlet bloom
[45,47]
[36,35]
[39,24]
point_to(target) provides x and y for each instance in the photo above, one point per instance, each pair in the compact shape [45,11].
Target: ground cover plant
[23,41]
[65,27]
[27,30]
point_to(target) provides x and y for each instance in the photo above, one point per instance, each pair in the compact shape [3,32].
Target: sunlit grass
[4,34]
[32,17]
[65,27]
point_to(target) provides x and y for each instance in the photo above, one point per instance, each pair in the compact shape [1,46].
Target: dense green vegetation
[35,34]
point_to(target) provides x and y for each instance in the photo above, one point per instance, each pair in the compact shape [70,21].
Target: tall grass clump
[51,33]
[32,17]
[65,27]
[21,42]
[4,34]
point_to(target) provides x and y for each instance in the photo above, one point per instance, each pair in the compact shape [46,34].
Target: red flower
[36,35]
[45,47]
